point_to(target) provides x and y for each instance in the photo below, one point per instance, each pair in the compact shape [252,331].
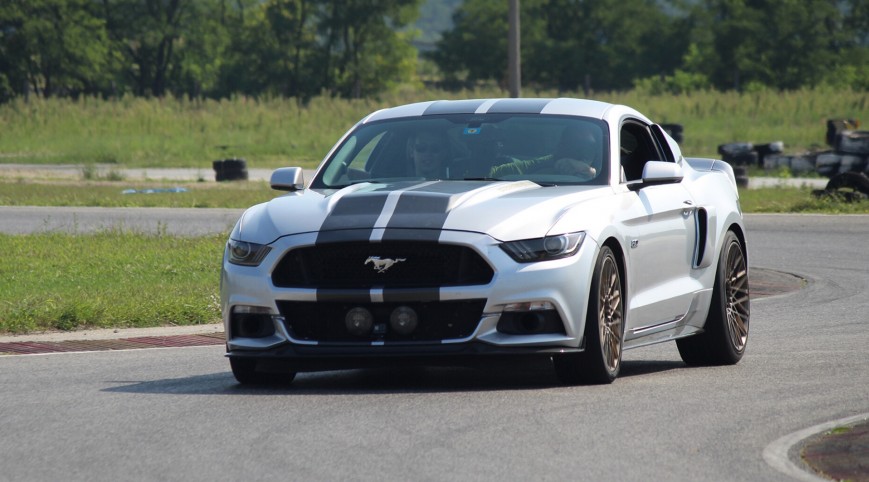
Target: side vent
[704,221]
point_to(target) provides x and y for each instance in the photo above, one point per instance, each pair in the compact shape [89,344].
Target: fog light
[359,321]
[537,322]
[532,322]
[403,320]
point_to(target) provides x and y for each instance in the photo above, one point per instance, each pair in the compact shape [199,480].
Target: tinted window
[545,149]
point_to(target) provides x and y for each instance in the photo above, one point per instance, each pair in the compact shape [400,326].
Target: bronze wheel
[610,314]
[725,333]
[604,328]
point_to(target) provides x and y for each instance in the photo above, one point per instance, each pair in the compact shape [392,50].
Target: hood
[502,210]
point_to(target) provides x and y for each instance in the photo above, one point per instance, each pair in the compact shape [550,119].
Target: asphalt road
[177,414]
[81,220]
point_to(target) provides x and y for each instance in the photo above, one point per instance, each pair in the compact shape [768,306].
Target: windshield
[544,149]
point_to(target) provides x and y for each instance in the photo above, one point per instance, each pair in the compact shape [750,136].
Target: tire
[725,333]
[230,170]
[600,363]
[853,180]
[245,372]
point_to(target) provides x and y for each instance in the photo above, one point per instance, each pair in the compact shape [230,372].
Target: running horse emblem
[381,265]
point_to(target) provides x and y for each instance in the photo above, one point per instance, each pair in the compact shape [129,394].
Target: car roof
[561,106]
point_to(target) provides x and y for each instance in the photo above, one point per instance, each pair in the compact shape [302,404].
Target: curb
[777,454]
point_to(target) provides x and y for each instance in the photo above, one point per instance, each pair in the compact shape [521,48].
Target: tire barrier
[798,164]
[850,149]
[738,153]
[850,153]
[764,150]
[852,142]
[230,170]
[848,186]
[835,126]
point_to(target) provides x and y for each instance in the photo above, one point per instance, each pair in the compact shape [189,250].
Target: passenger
[577,154]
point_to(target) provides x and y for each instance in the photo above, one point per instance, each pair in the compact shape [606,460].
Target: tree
[52,47]
[476,47]
[271,50]
[162,41]
[564,42]
[781,44]
[364,50]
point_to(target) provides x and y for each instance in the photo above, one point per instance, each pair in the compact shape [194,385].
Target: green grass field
[111,279]
[136,132]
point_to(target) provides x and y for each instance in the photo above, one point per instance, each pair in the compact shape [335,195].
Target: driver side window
[636,147]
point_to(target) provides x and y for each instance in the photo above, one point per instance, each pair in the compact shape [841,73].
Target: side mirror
[659,172]
[288,179]
[662,172]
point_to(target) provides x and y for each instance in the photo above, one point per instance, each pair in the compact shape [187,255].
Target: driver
[428,151]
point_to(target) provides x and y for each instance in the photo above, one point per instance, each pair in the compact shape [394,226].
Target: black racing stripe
[518,106]
[453,107]
[399,234]
[404,295]
[345,296]
[352,218]
[344,235]
[419,211]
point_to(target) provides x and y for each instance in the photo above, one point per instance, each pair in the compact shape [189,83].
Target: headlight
[246,254]
[543,249]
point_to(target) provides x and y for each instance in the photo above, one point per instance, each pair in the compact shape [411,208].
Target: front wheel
[725,333]
[604,329]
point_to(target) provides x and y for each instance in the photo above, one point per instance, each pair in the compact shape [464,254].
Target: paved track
[173,414]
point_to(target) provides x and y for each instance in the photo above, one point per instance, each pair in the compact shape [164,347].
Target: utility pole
[514,67]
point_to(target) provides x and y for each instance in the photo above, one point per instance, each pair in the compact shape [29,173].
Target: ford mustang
[450,232]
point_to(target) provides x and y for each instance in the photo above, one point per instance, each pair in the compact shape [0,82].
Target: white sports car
[453,231]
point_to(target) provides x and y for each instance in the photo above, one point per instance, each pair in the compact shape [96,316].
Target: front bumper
[563,284]
[301,358]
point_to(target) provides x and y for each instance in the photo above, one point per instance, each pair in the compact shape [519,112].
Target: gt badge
[381,265]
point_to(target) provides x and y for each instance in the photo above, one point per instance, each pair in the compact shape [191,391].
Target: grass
[797,200]
[23,192]
[268,133]
[119,279]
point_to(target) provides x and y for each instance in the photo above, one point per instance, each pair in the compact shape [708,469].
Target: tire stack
[798,163]
[847,165]
[739,155]
[230,170]
[850,149]
[847,186]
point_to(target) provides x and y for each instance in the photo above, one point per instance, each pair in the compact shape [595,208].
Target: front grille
[357,266]
[438,320]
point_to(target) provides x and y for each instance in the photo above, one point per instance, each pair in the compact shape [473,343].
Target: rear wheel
[726,331]
[604,329]
[245,372]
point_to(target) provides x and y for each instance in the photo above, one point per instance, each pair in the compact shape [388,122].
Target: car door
[660,224]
